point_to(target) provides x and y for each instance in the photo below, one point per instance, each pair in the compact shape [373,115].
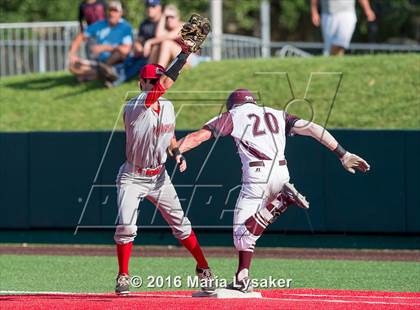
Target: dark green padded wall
[49,179]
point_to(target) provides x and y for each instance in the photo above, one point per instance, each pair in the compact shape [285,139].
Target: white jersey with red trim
[259,132]
[148,133]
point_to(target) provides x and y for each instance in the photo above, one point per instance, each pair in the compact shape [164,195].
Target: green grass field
[97,274]
[375,92]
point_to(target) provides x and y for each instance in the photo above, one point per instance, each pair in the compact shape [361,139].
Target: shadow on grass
[43,83]
[50,82]
[83,88]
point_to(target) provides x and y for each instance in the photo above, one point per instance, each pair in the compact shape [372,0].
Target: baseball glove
[351,162]
[194,33]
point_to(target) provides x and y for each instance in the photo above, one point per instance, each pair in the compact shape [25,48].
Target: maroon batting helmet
[238,97]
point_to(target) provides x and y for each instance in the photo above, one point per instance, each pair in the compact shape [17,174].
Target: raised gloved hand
[194,33]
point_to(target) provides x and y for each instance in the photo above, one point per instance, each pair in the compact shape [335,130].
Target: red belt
[260,163]
[149,171]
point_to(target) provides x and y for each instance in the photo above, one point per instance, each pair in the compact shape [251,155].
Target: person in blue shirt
[111,41]
[147,31]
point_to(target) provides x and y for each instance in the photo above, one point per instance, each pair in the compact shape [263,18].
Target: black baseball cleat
[290,193]
[206,279]
[122,286]
[243,286]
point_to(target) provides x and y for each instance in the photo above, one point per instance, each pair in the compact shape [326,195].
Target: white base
[225,293]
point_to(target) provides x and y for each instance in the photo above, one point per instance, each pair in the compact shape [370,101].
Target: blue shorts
[129,69]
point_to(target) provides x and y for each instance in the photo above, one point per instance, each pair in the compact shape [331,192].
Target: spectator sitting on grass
[163,48]
[155,43]
[148,28]
[167,31]
[147,31]
[113,42]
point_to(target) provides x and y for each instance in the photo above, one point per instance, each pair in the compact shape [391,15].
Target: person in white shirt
[337,21]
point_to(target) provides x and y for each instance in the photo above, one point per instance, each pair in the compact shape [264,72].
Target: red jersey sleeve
[154,94]
[221,125]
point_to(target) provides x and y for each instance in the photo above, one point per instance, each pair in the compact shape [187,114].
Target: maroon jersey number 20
[270,121]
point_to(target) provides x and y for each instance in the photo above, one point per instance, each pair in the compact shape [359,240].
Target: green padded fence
[49,179]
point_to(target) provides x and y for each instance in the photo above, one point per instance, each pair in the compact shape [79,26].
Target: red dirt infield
[174,251]
[272,299]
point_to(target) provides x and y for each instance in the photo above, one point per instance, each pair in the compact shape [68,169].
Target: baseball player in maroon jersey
[149,121]
[260,135]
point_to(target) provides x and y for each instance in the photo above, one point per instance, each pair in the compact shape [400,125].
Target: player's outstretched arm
[194,139]
[350,162]
[175,152]
[167,79]
[218,126]
[193,35]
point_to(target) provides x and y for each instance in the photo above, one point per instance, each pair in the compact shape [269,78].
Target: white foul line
[344,301]
[350,296]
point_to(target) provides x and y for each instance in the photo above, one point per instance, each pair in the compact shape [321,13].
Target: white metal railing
[289,50]
[35,47]
[235,46]
[43,46]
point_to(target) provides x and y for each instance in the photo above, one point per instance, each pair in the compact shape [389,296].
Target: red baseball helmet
[151,71]
[240,96]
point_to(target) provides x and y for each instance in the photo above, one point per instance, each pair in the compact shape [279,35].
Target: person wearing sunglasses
[149,121]
[167,31]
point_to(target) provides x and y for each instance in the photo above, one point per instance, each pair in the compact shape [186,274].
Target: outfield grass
[375,92]
[97,274]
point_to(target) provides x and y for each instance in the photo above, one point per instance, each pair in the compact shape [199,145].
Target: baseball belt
[149,171]
[260,163]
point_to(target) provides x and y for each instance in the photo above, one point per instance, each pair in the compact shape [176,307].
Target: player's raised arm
[193,34]
[349,161]
[167,79]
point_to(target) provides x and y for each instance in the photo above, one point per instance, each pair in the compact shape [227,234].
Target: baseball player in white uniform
[260,136]
[149,121]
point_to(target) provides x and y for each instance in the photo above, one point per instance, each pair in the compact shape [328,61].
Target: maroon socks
[245,258]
